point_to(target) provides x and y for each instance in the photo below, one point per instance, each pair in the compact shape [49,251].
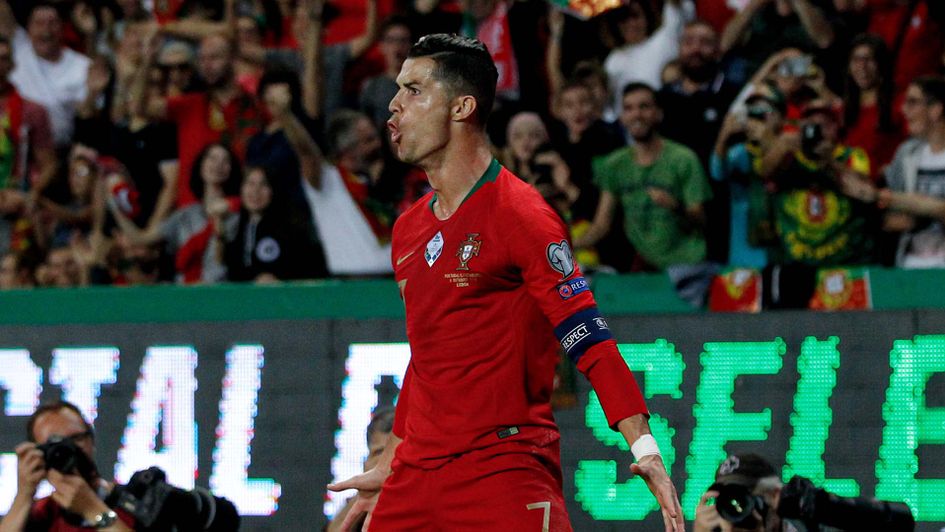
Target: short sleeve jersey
[487,291]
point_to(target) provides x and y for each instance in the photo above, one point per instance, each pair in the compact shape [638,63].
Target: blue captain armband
[581,331]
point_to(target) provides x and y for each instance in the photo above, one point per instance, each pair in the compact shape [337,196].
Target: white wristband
[644,446]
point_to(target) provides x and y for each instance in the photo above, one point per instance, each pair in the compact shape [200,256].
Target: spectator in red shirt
[913,31]
[870,118]
[225,113]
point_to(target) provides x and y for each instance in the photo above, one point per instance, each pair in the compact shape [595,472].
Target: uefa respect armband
[581,331]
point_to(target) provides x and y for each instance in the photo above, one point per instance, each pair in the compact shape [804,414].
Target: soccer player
[491,290]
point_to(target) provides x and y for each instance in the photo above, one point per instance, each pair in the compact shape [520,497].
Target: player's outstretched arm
[368,485]
[651,468]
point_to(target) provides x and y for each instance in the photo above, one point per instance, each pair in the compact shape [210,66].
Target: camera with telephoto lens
[63,455]
[803,501]
[811,135]
[737,505]
[157,506]
[800,499]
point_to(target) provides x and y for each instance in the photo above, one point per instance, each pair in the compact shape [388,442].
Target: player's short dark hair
[932,87]
[637,86]
[464,66]
[53,407]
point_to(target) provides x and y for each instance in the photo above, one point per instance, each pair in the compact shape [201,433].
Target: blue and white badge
[268,250]
[569,289]
[434,249]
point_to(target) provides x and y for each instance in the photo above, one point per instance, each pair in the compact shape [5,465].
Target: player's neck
[456,173]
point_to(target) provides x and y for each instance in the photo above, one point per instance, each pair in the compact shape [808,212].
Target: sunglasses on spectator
[759,111]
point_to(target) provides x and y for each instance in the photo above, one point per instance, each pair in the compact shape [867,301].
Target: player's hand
[707,516]
[30,468]
[654,474]
[368,485]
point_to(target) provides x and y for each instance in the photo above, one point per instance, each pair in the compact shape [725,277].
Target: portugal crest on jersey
[468,249]
[560,258]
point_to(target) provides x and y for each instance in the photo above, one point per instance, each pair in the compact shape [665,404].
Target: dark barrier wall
[863,393]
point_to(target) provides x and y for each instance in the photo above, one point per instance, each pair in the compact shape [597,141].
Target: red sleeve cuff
[614,383]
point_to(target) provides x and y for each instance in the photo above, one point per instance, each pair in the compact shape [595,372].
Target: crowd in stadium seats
[202,141]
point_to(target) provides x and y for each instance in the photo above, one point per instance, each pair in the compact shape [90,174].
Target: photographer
[751,472]
[61,449]
[77,502]
[748,496]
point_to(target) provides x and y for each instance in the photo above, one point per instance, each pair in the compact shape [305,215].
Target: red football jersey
[489,293]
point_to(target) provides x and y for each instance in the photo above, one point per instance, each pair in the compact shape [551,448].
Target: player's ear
[463,108]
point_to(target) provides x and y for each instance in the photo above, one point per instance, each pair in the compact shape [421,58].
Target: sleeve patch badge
[560,258]
[434,249]
[569,289]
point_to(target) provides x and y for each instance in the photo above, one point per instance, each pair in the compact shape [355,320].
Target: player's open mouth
[394,132]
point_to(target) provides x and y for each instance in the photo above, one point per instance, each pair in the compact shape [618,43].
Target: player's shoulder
[518,204]
[414,214]
[511,192]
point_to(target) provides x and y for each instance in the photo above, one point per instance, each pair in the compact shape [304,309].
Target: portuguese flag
[736,290]
[842,289]
[586,9]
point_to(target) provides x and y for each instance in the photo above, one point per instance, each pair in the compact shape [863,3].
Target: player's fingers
[367,523]
[352,483]
[670,522]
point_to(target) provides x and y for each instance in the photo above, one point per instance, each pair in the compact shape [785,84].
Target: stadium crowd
[201,141]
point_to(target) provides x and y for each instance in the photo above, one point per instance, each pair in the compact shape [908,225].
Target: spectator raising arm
[154,108]
[312,57]
[736,29]
[361,43]
[603,218]
[278,99]
[7,20]
[556,77]
[135,235]
[195,29]
[814,22]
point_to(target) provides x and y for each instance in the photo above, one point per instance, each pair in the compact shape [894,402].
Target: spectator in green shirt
[662,188]
[659,183]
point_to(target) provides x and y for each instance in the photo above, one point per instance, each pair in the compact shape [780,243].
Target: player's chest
[453,260]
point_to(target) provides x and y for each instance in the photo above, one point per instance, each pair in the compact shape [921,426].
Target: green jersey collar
[490,175]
